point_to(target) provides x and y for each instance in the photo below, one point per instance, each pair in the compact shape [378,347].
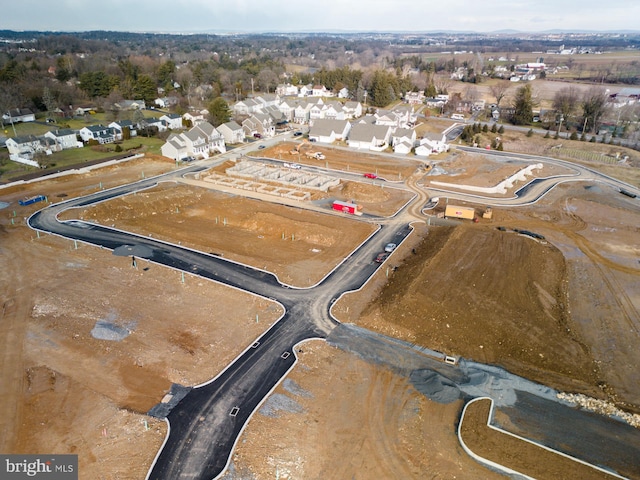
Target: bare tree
[499,90]
[565,102]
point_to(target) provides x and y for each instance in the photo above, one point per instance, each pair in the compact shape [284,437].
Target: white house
[200,141]
[232,132]
[403,135]
[17,115]
[155,123]
[287,90]
[173,121]
[403,147]
[414,98]
[343,92]
[247,107]
[65,137]
[193,118]
[326,130]
[436,142]
[371,137]
[120,126]
[320,91]
[100,133]
[166,102]
[130,105]
[24,146]
[352,110]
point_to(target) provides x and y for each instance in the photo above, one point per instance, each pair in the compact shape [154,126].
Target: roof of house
[325,126]
[62,132]
[364,132]
[404,132]
[232,125]
[434,137]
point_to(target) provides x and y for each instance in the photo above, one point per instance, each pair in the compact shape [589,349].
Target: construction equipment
[299,146]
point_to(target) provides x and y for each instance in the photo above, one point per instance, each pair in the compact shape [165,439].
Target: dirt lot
[564,313]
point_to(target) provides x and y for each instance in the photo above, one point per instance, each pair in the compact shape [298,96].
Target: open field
[559,312]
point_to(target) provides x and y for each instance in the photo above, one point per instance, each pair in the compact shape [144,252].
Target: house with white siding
[65,137]
[327,130]
[173,121]
[201,141]
[99,133]
[370,137]
[232,132]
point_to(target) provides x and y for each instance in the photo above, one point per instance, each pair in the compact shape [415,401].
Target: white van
[457,116]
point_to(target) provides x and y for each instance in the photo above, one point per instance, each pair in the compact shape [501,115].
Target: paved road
[205,425]
[207,422]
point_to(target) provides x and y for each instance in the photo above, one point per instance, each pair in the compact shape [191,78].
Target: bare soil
[564,313]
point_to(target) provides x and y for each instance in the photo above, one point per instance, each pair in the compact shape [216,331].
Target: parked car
[381,257]
[260,147]
[257,135]
[370,175]
[295,166]
[390,247]
[297,134]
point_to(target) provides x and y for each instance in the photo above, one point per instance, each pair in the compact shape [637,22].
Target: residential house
[130,105]
[286,89]
[121,126]
[320,91]
[301,112]
[259,123]
[156,123]
[193,118]
[232,132]
[247,106]
[371,137]
[304,90]
[403,147]
[343,92]
[287,107]
[82,110]
[433,102]
[65,138]
[276,115]
[352,110]
[100,133]
[173,121]
[18,115]
[328,130]
[24,146]
[166,102]
[200,142]
[268,99]
[414,98]
[407,135]
[434,142]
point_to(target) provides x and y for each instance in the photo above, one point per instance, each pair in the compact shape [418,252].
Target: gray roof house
[232,132]
[327,130]
[370,137]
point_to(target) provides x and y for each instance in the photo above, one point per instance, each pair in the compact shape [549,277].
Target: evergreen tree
[219,112]
[523,104]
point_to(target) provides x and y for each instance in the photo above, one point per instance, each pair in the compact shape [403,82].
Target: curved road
[206,423]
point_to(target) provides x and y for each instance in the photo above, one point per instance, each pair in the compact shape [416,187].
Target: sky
[188,16]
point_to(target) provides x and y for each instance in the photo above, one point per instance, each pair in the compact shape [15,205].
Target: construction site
[90,343]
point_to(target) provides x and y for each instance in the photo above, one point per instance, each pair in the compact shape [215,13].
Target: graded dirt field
[90,343]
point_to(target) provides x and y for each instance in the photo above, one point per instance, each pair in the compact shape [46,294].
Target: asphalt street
[205,425]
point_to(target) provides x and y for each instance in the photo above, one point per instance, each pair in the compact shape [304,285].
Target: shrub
[530,132]
[573,136]
[501,129]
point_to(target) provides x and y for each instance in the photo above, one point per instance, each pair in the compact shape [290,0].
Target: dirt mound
[492,296]
[364,192]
